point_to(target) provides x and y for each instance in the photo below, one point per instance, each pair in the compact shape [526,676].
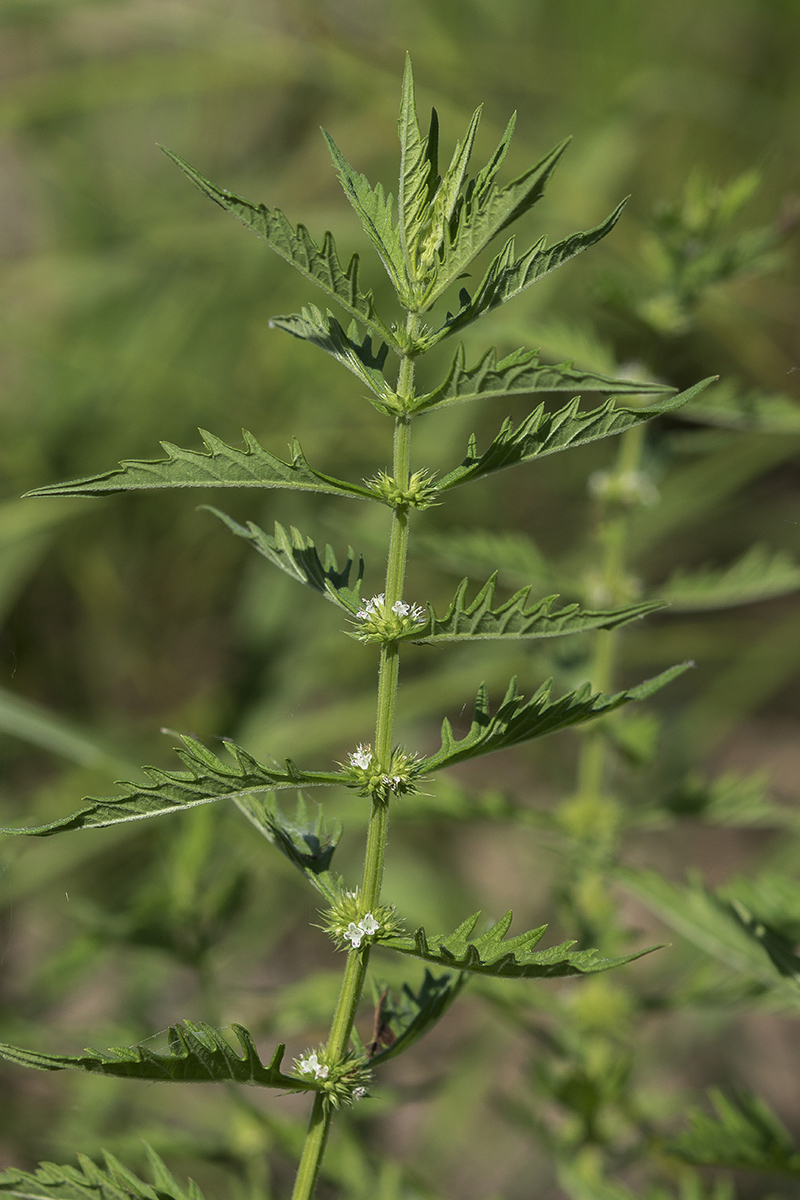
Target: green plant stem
[613,526]
[355,969]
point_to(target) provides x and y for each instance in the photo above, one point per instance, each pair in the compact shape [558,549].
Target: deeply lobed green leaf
[513,619]
[209,778]
[521,372]
[726,930]
[88,1181]
[374,210]
[507,276]
[352,351]
[517,721]
[219,466]
[320,264]
[743,1133]
[402,1021]
[197,1053]
[492,953]
[548,433]
[306,841]
[759,574]
[297,556]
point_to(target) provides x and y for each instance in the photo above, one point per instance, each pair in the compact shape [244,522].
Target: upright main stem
[613,537]
[355,969]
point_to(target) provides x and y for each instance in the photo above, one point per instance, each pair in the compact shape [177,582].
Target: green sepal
[521,372]
[208,779]
[545,432]
[374,210]
[197,1053]
[297,556]
[513,619]
[401,1021]
[307,843]
[88,1181]
[320,264]
[507,275]
[516,721]
[494,954]
[742,1134]
[759,574]
[348,348]
[219,465]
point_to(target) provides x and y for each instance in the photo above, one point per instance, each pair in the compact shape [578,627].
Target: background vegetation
[136,311]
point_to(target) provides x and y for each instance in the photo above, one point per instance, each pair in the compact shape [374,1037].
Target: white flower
[361,757]
[354,934]
[371,606]
[359,1093]
[401,609]
[312,1066]
[357,932]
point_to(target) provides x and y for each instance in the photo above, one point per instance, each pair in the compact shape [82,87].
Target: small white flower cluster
[310,1065]
[361,757]
[401,609]
[373,606]
[359,1093]
[363,928]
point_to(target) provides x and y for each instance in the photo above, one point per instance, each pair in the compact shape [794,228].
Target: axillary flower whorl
[363,772]
[351,926]
[379,623]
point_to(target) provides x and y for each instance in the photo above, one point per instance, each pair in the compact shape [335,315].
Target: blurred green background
[137,311]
